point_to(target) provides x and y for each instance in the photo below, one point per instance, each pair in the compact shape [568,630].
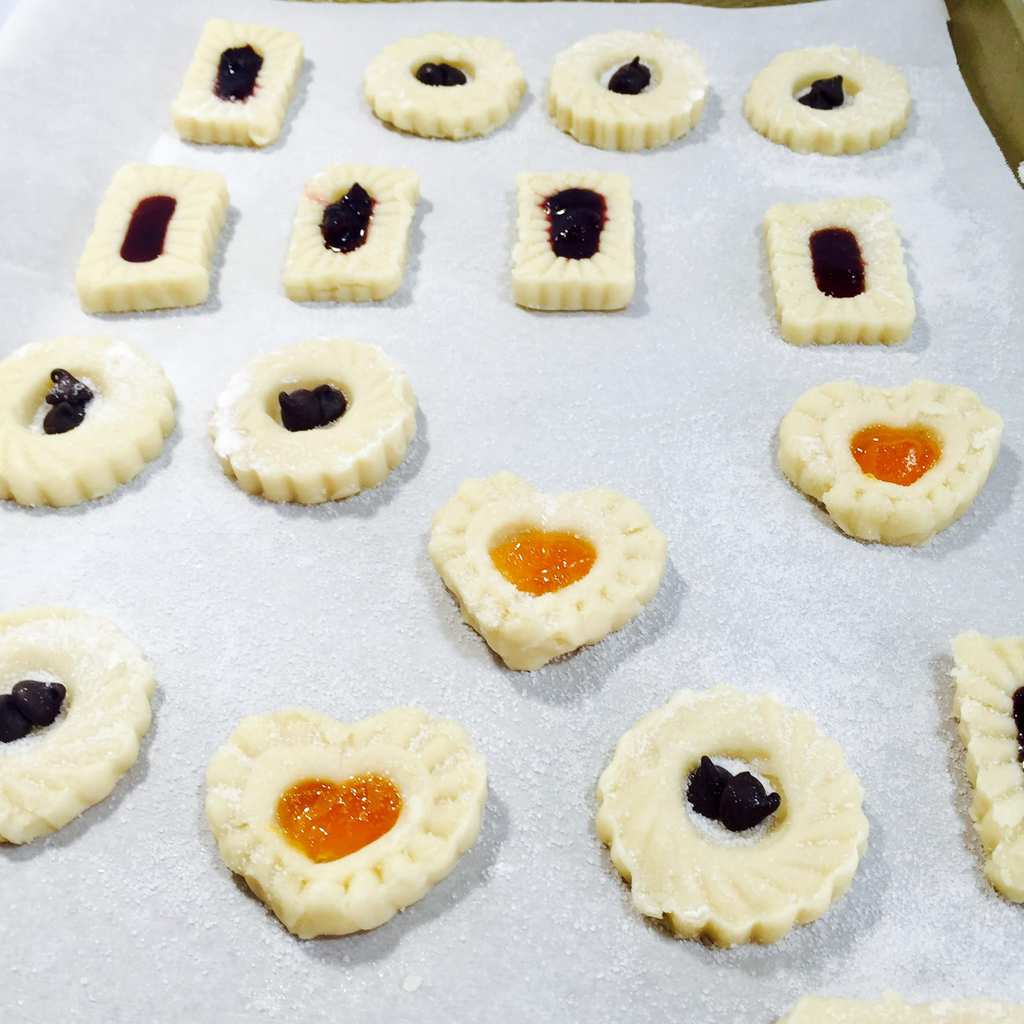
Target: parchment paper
[127,915]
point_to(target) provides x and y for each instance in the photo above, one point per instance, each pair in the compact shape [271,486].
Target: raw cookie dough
[731,892]
[526,630]
[893,1010]
[875,110]
[50,776]
[488,98]
[179,275]
[374,269]
[202,116]
[124,425]
[882,313]
[815,455]
[441,779]
[356,451]
[580,102]
[541,279]
[989,672]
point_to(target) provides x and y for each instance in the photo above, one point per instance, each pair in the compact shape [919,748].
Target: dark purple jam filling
[824,94]
[440,74]
[305,410]
[631,78]
[1018,717]
[144,239]
[838,266]
[346,221]
[30,703]
[738,801]
[237,72]
[68,396]
[577,217]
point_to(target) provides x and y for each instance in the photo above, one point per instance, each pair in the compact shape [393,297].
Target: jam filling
[144,239]
[30,703]
[897,455]
[68,397]
[1018,718]
[237,72]
[737,801]
[577,217]
[329,820]
[631,78]
[440,74]
[541,561]
[305,409]
[346,222]
[838,265]
[824,94]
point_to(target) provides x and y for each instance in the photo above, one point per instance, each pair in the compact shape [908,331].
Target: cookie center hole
[61,403]
[328,820]
[237,71]
[576,218]
[543,561]
[837,262]
[30,705]
[897,455]
[307,404]
[630,78]
[729,799]
[825,90]
[1018,719]
[147,230]
[443,73]
[346,222]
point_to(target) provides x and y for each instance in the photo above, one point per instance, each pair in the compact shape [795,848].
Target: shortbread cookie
[56,771]
[989,677]
[337,827]
[797,101]
[314,422]
[239,84]
[351,234]
[444,86]
[575,241]
[627,90]
[895,465]
[153,241]
[538,576]
[893,1010]
[838,273]
[78,418]
[731,890]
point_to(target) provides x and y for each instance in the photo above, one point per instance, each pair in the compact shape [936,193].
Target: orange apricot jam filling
[328,820]
[541,561]
[897,455]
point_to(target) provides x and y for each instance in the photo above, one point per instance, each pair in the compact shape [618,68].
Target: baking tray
[127,914]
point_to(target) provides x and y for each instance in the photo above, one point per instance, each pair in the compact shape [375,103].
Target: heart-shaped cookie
[538,575]
[336,826]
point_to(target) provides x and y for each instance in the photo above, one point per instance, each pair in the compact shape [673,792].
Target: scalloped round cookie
[733,891]
[817,437]
[486,100]
[441,786]
[581,103]
[355,451]
[617,560]
[124,426]
[50,776]
[874,110]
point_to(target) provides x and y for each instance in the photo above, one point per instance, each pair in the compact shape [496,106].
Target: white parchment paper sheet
[127,914]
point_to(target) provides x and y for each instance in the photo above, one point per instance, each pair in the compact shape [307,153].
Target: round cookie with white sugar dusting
[314,422]
[74,705]
[627,90]
[78,418]
[338,826]
[732,818]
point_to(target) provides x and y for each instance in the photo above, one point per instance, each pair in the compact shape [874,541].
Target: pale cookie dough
[883,313]
[580,102]
[988,672]
[875,110]
[202,116]
[372,271]
[442,781]
[731,892]
[124,426]
[893,1010]
[814,453]
[180,275]
[50,776]
[487,100]
[349,455]
[524,630]
[543,280]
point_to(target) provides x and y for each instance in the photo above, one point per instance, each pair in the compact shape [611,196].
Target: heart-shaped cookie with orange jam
[337,827]
[540,575]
